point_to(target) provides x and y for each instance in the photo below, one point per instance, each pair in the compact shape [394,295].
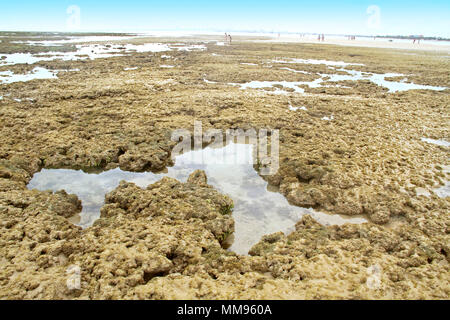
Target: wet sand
[397,44]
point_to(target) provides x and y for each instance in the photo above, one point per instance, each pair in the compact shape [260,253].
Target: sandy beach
[424,45]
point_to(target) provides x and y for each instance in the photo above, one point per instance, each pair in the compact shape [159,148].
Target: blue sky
[430,18]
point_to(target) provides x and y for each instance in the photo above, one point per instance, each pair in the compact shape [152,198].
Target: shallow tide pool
[257,210]
[36,73]
[325,79]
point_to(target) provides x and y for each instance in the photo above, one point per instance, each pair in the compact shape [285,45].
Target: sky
[374,17]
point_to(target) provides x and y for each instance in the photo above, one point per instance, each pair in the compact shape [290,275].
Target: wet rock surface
[166,241]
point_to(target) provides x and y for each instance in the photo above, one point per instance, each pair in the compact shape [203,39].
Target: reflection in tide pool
[436,142]
[326,81]
[257,211]
[36,73]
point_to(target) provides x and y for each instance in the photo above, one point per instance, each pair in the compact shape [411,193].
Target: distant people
[229,38]
[318,38]
[323,37]
[226,37]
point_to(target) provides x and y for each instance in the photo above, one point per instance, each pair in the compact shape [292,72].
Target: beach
[94,203]
[386,43]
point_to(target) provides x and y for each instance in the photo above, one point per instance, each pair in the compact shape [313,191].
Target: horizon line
[211,32]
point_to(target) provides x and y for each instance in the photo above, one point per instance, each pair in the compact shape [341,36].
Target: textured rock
[166,241]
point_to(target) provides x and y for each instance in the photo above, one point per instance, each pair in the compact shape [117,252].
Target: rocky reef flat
[354,147]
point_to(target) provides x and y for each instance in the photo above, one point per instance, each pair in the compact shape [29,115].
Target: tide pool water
[257,210]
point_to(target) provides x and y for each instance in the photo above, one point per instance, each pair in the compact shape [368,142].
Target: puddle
[207,81]
[444,191]
[93,51]
[83,52]
[272,84]
[380,80]
[148,47]
[194,47]
[257,211]
[75,40]
[352,75]
[36,73]
[293,70]
[436,142]
[441,192]
[313,61]
[297,108]
[166,66]
[68,70]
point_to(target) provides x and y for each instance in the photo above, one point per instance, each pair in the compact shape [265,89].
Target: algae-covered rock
[353,151]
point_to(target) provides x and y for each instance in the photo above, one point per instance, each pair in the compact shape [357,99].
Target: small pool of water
[323,81]
[257,210]
[270,84]
[36,73]
[94,51]
[380,80]
[314,61]
[442,143]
